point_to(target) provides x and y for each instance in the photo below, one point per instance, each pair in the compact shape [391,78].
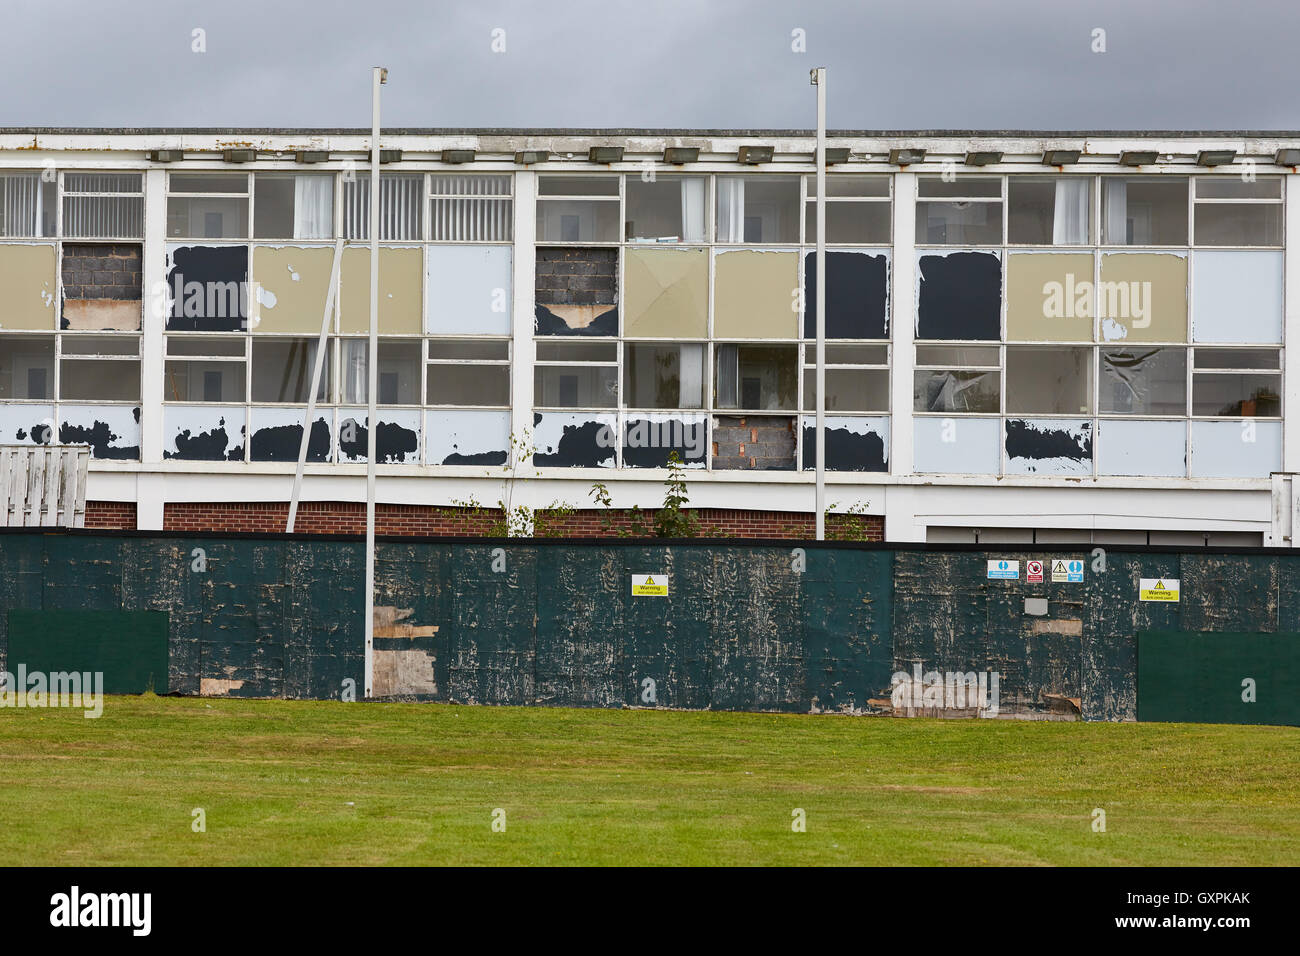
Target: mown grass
[301,783]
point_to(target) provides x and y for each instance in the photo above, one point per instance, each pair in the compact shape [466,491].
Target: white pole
[819,79]
[379,76]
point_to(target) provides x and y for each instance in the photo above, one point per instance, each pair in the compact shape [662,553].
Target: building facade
[1056,338]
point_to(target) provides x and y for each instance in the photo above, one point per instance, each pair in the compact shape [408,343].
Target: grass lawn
[287,782]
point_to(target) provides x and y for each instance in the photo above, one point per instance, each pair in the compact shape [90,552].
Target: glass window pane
[471,208]
[1238,224]
[215,382]
[1049,381]
[755,378]
[958,355]
[848,354]
[856,222]
[932,187]
[671,208]
[849,390]
[1143,381]
[1236,395]
[103,216]
[282,370]
[959,223]
[27,367]
[577,351]
[1049,212]
[398,374]
[577,220]
[208,183]
[468,385]
[28,204]
[293,206]
[577,185]
[1148,211]
[207,218]
[663,376]
[400,202]
[471,184]
[1232,187]
[956,391]
[91,380]
[1238,358]
[101,345]
[470,349]
[575,386]
[758,209]
[850,185]
[204,345]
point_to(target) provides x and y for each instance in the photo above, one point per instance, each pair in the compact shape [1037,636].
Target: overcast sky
[904,64]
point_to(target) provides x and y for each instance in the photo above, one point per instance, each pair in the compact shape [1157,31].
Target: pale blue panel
[1155,449]
[466,437]
[1238,449]
[956,445]
[469,290]
[1237,296]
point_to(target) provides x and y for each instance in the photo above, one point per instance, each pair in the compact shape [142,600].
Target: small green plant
[853,524]
[670,521]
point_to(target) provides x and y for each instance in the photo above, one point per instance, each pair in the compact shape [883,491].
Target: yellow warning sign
[1158,589]
[650,585]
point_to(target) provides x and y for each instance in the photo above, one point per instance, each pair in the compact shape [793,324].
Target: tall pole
[379,76]
[819,80]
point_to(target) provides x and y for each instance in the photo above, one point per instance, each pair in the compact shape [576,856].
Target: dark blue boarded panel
[416,576]
[327,602]
[1229,592]
[848,624]
[168,575]
[857,295]
[492,655]
[22,580]
[666,638]
[959,296]
[83,573]
[580,626]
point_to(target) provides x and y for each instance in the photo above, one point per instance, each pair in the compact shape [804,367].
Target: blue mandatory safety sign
[1004,570]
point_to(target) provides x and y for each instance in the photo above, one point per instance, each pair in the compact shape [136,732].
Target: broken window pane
[101,345]
[1238,224]
[1053,211]
[663,376]
[293,206]
[282,370]
[1146,211]
[398,373]
[856,222]
[468,385]
[1143,381]
[102,286]
[1049,381]
[27,367]
[955,390]
[575,386]
[216,382]
[1236,394]
[849,390]
[103,205]
[27,205]
[757,378]
[668,209]
[105,380]
[471,208]
[1238,358]
[205,345]
[400,201]
[758,209]
[470,349]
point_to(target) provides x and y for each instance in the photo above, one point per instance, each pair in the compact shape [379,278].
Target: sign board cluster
[1063,570]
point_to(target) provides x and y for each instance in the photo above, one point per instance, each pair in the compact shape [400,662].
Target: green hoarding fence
[1219,678]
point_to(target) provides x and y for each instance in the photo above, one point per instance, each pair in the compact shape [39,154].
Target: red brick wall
[337,517]
[111,515]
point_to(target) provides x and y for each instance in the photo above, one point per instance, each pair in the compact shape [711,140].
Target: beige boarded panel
[1143,297]
[296,279]
[666,293]
[753,293]
[95,315]
[401,273]
[28,286]
[1049,297]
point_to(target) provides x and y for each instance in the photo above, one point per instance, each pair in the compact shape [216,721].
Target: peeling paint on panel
[852,444]
[575,320]
[1049,447]
[276,434]
[1143,448]
[666,293]
[1145,296]
[754,294]
[208,286]
[470,290]
[1244,449]
[293,284]
[204,433]
[1237,296]
[574,441]
[957,445]
[26,423]
[111,431]
[857,295]
[397,439]
[27,285]
[218,687]
[959,296]
[1049,297]
[401,279]
[466,437]
[648,440]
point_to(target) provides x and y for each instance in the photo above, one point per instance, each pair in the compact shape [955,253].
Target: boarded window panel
[457,437]
[1238,224]
[26,424]
[111,431]
[1143,381]
[27,286]
[849,390]
[582,440]
[102,286]
[400,292]
[275,434]
[857,295]
[1049,381]
[866,223]
[191,381]
[1048,446]
[957,446]
[956,391]
[204,433]
[467,385]
[959,296]
[1150,449]
[27,368]
[99,380]
[1231,450]
[1049,297]
[1144,211]
[397,439]
[753,294]
[1049,211]
[1237,394]
[1236,296]
[667,293]
[575,386]
[208,286]
[1143,297]
[670,376]
[283,368]
[469,290]
[294,284]
[857,443]
[650,438]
